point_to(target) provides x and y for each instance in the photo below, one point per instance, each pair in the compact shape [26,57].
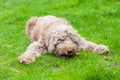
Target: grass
[96,20]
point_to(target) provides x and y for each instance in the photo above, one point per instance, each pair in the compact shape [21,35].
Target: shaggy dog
[53,35]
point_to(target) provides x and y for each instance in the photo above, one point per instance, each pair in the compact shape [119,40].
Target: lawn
[96,20]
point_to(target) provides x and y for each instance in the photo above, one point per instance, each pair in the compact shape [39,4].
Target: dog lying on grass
[53,35]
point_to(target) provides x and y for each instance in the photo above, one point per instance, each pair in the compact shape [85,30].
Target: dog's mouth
[69,55]
[66,55]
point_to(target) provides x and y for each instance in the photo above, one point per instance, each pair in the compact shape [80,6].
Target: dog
[53,35]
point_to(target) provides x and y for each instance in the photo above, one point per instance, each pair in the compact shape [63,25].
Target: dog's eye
[74,40]
[60,39]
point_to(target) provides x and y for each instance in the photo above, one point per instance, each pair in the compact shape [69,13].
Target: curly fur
[55,36]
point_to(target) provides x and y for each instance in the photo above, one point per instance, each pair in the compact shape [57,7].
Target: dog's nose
[69,51]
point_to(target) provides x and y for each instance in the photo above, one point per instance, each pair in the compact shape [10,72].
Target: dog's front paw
[26,59]
[101,49]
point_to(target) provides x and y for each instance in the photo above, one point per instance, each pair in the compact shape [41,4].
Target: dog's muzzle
[70,51]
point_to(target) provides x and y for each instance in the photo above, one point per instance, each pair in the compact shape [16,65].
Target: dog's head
[63,44]
[66,48]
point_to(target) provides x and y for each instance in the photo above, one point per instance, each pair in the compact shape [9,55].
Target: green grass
[96,20]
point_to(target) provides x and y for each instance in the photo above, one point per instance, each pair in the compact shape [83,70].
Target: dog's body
[55,35]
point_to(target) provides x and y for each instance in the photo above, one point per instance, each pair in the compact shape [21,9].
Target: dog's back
[39,26]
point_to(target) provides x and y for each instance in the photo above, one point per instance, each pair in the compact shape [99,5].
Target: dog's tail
[30,24]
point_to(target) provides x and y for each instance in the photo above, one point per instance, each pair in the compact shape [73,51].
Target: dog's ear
[54,40]
[76,38]
[31,23]
[51,43]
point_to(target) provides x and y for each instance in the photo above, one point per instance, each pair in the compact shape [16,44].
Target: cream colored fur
[53,35]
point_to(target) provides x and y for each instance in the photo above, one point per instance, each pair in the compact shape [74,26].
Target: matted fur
[53,35]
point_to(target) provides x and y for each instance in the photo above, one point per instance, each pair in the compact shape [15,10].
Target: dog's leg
[91,46]
[34,49]
[88,45]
